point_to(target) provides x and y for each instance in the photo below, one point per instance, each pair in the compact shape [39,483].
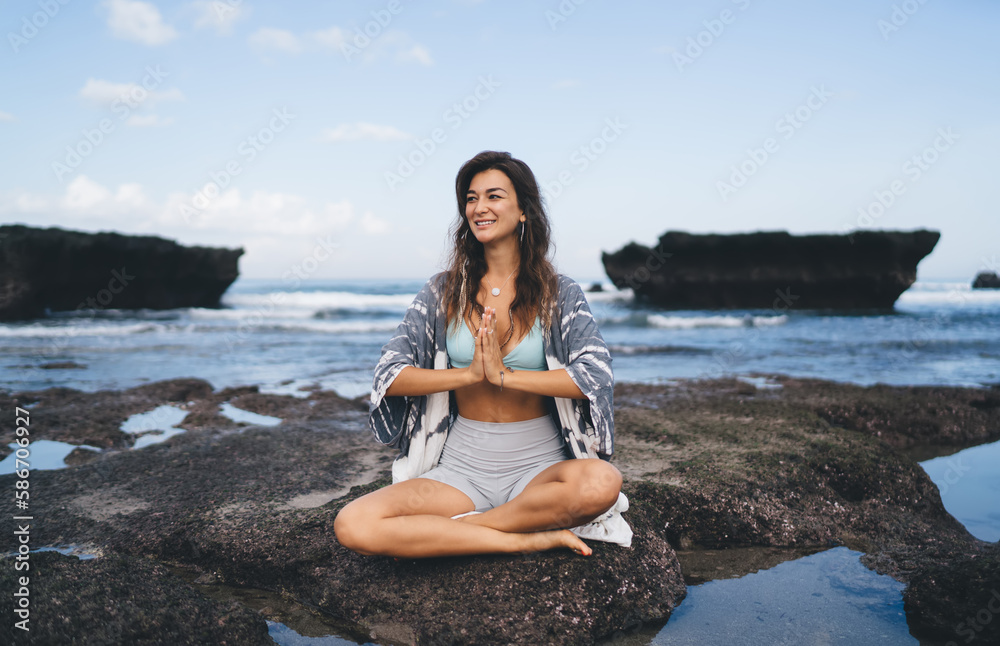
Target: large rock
[773,269]
[986,280]
[43,270]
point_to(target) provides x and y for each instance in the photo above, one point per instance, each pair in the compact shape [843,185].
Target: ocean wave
[318,300]
[722,320]
[957,296]
[36,330]
[330,327]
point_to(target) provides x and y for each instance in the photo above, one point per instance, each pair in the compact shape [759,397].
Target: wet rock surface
[119,599]
[716,464]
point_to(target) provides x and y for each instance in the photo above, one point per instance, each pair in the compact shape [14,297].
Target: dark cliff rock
[986,280]
[772,269]
[53,269]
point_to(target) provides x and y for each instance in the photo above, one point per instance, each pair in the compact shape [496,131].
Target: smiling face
[491,206]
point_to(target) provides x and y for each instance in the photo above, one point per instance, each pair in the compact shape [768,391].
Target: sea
[328,334]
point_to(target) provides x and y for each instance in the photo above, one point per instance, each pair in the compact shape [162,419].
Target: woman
[494,380]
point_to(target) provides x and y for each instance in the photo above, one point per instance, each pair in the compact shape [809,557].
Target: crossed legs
[412,519]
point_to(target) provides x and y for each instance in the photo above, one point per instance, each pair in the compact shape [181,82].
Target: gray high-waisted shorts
[492,462]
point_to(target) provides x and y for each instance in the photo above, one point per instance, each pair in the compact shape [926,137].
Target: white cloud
[280,40]
[373,225]
[140,22]
[6,116]
[332,38]
[393,44]
[417,53]
[276,229]
[217,15]
[399,46]
[148,121]
[86,197]
[105,93]
[363,131]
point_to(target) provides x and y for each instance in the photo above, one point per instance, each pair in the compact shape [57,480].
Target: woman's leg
[566,494]
[412,519]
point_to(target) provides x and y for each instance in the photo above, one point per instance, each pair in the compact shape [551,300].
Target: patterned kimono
[418,426]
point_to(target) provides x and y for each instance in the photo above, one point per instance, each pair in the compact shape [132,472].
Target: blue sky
[281,128]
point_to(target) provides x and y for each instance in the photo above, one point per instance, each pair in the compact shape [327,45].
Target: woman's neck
[502,258]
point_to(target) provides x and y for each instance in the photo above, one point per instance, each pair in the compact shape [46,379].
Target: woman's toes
[574,543]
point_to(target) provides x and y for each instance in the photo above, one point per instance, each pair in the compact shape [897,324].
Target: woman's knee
[352,527]
[601,483]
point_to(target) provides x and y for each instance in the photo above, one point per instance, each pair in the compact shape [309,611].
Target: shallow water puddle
[239,415]
[155,426]
[824,598]
[969,482]
[285,636]
[43,455]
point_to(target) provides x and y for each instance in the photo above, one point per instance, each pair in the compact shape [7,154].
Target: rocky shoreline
[707,464]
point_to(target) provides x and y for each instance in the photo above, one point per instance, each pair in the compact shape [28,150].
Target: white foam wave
[950,295]
[37,330]
[332,327]
[692,322]
[318,300]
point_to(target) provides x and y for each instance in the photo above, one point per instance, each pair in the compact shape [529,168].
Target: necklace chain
[510,332]
[496,290]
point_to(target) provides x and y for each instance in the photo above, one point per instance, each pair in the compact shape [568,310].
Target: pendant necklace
[496,290]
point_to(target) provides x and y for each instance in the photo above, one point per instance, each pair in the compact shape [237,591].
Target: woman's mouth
[482,224]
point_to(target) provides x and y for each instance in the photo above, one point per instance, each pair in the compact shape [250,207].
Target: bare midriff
[484,402]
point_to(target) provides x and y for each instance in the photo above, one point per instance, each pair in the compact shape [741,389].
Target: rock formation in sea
[772,269]
[986,280]
[53,269]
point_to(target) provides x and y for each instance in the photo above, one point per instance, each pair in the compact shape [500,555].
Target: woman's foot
[550,540]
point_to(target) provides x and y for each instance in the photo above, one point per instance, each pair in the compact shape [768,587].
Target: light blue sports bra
[529,354]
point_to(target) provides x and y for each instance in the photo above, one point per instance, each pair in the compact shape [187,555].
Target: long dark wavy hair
[536,277]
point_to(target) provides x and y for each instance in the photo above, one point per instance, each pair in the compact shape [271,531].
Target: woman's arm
[413,381]
[554,383]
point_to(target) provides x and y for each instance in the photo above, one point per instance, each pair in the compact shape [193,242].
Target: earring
[522,232]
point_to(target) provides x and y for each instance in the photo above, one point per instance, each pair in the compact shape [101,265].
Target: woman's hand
[488,345]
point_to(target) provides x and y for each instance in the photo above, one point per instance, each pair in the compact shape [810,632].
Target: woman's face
[491,206]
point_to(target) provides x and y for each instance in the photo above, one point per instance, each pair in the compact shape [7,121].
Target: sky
[324,137]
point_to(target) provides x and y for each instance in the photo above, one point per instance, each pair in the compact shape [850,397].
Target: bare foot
[540,541]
